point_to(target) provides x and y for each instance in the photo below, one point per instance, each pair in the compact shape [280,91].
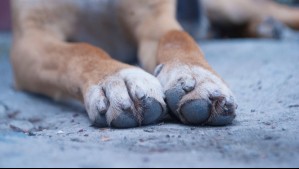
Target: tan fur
[45,62]
[180,47]
[148,21]
[250,13]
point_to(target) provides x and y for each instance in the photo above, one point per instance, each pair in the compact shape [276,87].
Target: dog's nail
[103,107]
[189,84]
[126,105]
[215,95]
[100,121]
[158,69]
[225,116]
[140,94]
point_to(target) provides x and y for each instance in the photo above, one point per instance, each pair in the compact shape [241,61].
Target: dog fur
[80,49]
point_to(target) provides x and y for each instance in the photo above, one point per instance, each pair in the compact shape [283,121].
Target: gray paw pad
[152,111]
[173,97]
[124,120]
[196,111]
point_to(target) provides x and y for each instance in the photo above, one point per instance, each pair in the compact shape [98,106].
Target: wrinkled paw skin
[196,96]
[129,98]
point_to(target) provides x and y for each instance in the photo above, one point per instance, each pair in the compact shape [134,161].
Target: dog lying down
[81,49]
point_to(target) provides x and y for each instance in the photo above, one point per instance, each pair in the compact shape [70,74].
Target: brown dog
[117,94]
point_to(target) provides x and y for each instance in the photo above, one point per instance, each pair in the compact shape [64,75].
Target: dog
[82,49]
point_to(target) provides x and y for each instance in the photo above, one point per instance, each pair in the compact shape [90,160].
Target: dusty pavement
[264,76]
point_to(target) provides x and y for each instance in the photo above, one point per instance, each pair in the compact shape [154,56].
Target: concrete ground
[263,74]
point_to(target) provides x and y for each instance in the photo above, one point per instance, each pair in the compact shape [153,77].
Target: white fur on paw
[122,91]
[197,82]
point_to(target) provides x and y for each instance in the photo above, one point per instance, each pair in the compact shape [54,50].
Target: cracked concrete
[38,132]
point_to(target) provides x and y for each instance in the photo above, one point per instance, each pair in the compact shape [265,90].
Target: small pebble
[268,138]
[60,132]
[76,140]
[267,123]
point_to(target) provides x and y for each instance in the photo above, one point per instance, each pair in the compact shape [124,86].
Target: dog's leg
[194,92]
[148,21]
[115,94]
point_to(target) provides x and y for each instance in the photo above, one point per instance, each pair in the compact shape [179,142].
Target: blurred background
[189,14]
[5,20]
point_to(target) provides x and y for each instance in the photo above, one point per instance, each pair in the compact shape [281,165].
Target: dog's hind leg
[115,94]
[255,18]
[274,20]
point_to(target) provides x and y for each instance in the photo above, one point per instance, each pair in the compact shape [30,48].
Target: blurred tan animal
[252,18]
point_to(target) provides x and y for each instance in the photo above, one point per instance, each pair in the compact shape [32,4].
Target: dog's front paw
[129,98]
[195,95]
